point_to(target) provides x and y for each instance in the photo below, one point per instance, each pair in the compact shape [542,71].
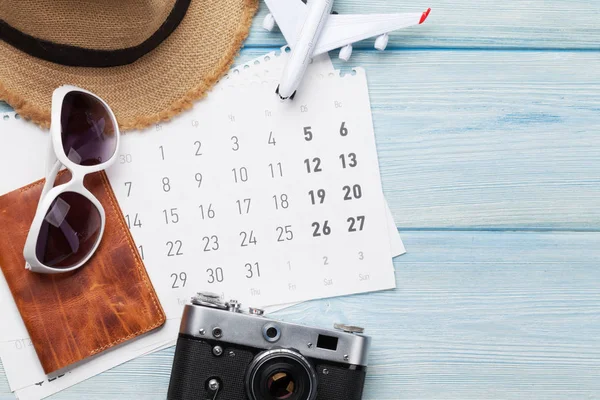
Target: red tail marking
[424,16]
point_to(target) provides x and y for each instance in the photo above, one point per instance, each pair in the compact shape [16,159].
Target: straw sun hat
[149,59]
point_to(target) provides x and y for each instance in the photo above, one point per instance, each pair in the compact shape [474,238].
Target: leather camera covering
[75,315]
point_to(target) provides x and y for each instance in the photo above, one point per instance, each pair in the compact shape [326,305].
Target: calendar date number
[284,233]
[215,275]
[252,270]
[313,165]
[276,170]
[166,184]
[321,229]
[356,223]
[198,146]
[207,211]
[343,129]
[171,216]
[174,248]
[348,160]
[308,135]
[128,186]
[235,143]
[317,196]
[248,239]
[179,280]
[243,206]
[125,159]
[211,243]
[198,178]
[133,221]
[240,174]
[281,201]
[351,193]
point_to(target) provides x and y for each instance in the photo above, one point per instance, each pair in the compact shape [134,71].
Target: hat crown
[90,24]
[144,84]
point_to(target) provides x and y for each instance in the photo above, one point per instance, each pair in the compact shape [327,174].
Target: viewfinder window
[327,342]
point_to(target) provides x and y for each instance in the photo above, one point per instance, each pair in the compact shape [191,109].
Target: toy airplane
[312,29]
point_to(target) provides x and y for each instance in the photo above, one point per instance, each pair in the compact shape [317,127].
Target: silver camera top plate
[207,322]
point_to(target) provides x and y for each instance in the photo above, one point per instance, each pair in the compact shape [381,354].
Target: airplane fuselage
[303,49]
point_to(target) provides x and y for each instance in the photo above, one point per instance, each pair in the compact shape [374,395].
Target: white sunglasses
[69,221]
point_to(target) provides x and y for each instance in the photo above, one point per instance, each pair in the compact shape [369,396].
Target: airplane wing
[288,14]
[341,30]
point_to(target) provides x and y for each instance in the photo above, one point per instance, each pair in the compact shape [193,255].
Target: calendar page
[265,201]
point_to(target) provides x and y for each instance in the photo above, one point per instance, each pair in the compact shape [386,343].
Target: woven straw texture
[92,24]
[156,87]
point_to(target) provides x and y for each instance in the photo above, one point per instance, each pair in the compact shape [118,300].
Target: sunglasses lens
[89,136]
[69,232]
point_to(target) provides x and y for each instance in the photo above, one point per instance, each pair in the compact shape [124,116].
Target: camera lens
[281,385]
[281,374]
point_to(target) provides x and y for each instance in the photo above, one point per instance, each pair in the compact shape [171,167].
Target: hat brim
[156,87]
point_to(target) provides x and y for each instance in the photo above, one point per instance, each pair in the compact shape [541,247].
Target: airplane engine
[346,52]
[382,41]
[269,22]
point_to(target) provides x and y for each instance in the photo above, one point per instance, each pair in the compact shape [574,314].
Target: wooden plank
[465,24]
[488,139]
[477,315]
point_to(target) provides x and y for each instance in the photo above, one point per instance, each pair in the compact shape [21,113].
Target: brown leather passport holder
[75,315]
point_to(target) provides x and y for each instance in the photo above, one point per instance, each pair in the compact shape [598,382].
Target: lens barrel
[281,374]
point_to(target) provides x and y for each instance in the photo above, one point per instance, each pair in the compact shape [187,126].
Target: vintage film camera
[225,354]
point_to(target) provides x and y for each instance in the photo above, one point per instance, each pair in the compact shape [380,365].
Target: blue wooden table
[488,129]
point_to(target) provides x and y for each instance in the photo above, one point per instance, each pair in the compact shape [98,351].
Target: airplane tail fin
[424,16]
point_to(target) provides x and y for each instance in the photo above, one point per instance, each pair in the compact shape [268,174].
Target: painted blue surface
[488,131]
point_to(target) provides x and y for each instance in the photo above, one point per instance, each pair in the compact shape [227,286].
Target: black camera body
[224,354]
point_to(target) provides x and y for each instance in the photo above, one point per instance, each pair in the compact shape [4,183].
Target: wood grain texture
[541,24]
[476,315]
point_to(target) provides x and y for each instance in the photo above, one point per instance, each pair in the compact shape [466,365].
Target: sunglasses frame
[56,160]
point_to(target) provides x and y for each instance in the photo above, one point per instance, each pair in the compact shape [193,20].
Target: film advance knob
[349,328]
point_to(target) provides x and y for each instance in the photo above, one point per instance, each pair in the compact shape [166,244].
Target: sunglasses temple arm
[50,157]
[52,168]
[49,184]
[50,178]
